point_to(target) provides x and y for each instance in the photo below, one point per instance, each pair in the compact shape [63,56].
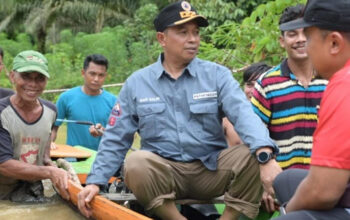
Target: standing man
[3,92]
[86,103]
[177,105]
[324,191]
[288,96]
[25,127]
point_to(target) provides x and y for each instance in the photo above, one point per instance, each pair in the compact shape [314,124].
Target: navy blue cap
[178,13]
[325,14]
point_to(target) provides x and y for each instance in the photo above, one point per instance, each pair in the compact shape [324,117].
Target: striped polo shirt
[289,110]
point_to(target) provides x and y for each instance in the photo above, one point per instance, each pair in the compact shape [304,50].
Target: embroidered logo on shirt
[112,120]
[149,99]
[205,95]
[117,110]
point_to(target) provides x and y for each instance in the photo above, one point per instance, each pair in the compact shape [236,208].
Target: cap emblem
[35,59]
[186,6]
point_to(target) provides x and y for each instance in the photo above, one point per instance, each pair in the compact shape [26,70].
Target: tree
[41,16]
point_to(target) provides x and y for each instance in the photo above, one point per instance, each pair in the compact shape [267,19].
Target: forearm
[19,170]
[307,196]
[54,133]
[47,158]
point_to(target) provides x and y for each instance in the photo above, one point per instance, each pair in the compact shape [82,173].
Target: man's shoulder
[4,103]
[272,76]
[73,90]
[68,94]
[48,104]
[109,96]
[207,63]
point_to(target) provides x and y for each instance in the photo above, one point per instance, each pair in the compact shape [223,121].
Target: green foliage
[255,39]
[241,32]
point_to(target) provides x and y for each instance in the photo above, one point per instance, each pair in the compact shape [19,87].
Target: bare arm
[24,171]
[320,190]
[231,135]
[47,158]
[54,133]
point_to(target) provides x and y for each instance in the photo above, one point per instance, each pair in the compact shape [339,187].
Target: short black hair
[1,53]
[291,13]
[252,72]
[97,59]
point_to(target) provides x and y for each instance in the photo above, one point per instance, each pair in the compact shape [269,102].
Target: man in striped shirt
[287,98]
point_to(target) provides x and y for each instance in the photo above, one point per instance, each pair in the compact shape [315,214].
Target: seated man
[324,192]
[25,127]
[177,105]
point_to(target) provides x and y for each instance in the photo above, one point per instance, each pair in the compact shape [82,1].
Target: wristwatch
[264,157]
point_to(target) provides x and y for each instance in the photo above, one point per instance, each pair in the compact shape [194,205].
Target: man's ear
[12,76]
[281,40]
[336,42]
[161,38]
[82,72]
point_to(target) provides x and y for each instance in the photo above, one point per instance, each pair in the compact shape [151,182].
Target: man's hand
[53,146]
[84,198]
[269,203]
[96,130]
[59,178]
[268,173]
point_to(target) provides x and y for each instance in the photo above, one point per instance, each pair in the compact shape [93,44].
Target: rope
[62,90]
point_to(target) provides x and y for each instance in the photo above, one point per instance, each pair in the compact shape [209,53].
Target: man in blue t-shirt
[86,103]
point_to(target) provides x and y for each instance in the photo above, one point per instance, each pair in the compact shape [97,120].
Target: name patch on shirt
[149,99]
[205,95]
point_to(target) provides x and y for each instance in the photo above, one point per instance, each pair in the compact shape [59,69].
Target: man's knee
[137,162]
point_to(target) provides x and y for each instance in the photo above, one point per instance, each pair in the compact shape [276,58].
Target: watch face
[264,157]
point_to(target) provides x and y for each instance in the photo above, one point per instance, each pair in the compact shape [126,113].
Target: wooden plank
[63,151]
[103,208]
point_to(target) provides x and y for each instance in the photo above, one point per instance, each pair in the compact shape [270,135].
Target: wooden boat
[103,208]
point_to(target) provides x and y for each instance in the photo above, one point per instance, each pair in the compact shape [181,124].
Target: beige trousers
[153,179]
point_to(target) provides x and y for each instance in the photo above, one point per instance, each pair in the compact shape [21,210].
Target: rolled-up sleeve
[117,138]
[239,111]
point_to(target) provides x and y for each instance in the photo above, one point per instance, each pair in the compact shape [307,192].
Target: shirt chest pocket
[205,119]
[151,120]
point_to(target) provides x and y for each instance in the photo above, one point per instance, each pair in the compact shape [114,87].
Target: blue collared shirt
[178,119]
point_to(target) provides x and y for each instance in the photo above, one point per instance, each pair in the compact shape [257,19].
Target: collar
[285,70]
[189,69]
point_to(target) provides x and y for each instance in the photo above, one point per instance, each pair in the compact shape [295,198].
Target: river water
[57,209]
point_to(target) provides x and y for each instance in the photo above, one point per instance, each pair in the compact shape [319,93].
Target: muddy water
[56,210]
